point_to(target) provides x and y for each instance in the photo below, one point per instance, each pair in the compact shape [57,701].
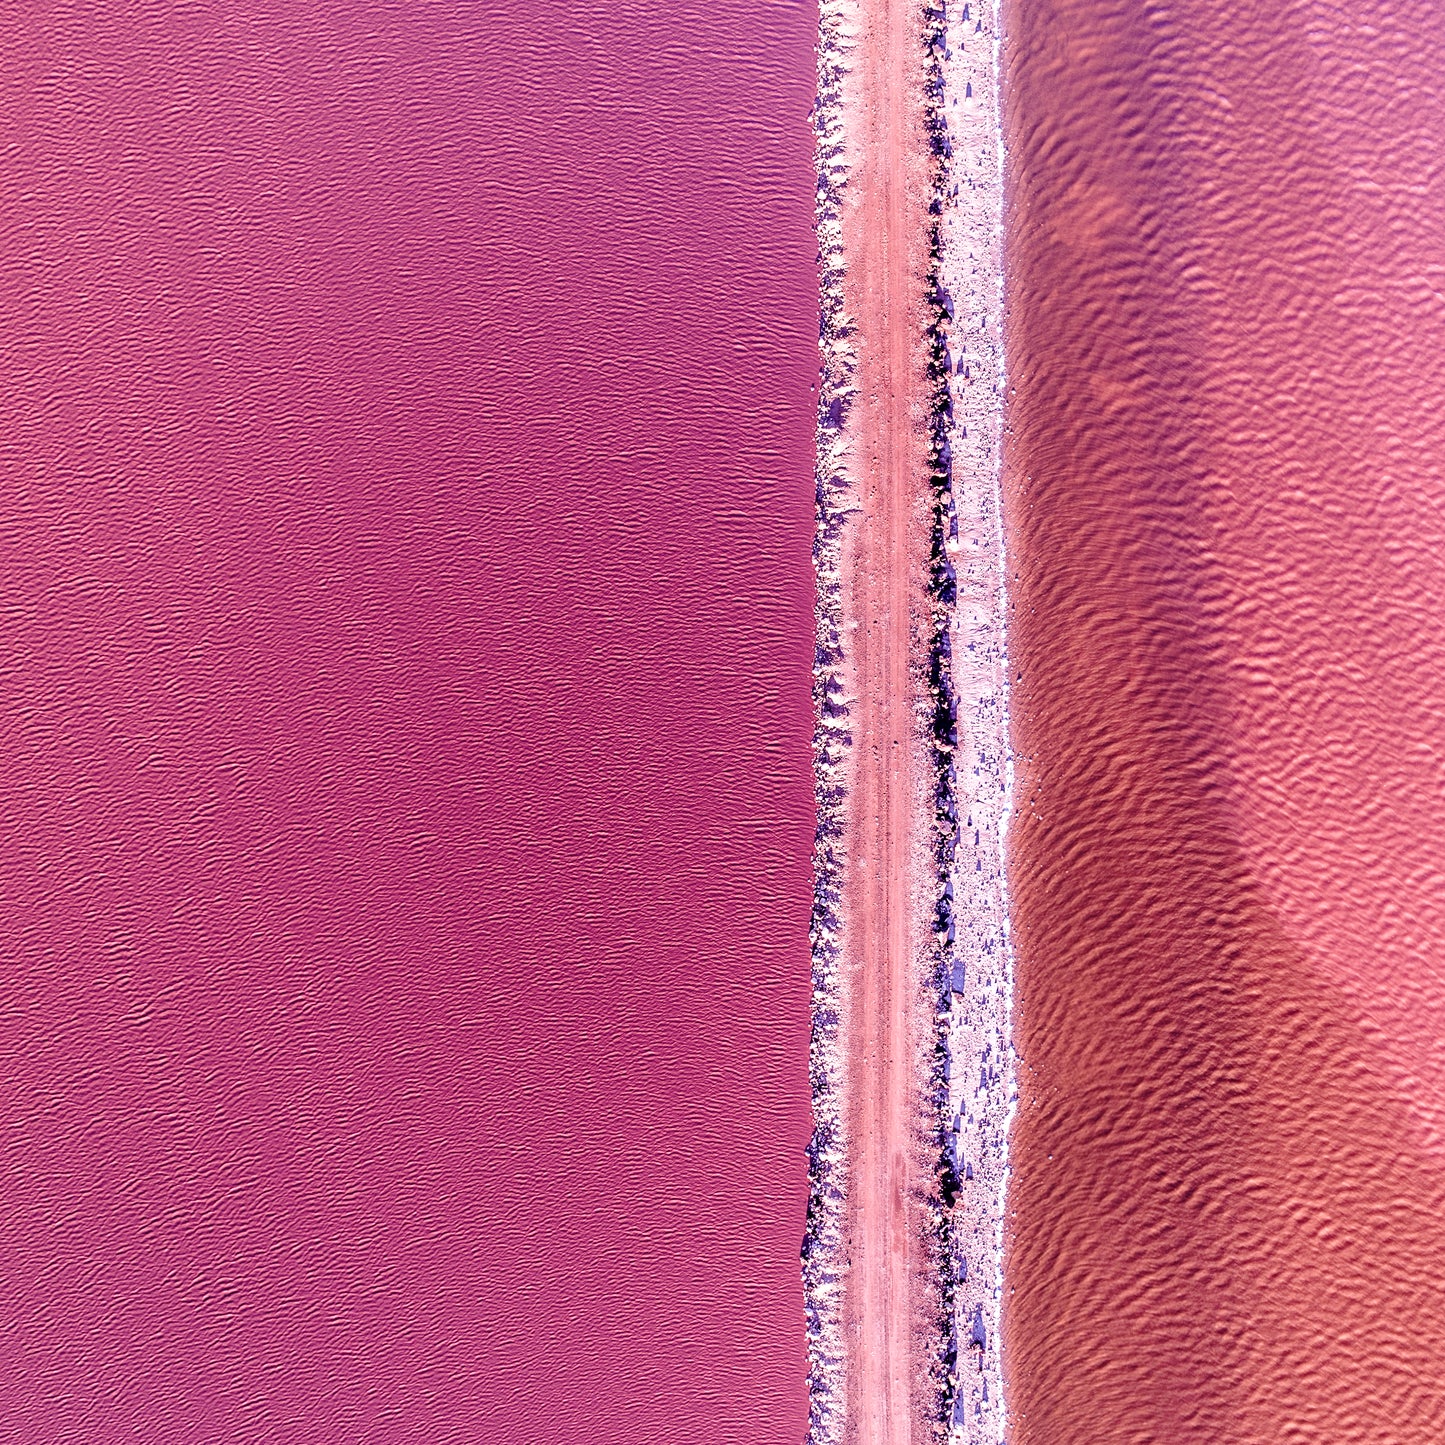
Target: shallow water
[1224,472]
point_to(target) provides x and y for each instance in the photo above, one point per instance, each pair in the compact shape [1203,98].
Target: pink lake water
[405,640]
[1227,510]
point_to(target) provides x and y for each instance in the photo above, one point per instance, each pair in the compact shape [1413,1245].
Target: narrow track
[886,895]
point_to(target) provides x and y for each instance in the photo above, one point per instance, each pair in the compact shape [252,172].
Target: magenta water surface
[405,622]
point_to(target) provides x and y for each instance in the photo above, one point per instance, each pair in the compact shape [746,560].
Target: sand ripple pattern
[1226,268]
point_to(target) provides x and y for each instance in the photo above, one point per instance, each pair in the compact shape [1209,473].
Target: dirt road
[887,894]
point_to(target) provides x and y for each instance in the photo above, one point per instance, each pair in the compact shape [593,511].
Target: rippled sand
[1227,291]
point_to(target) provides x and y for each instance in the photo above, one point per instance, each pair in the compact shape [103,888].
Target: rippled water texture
[1228,522]
[405,635]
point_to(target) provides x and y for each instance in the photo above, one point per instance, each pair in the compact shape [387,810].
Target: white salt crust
[823,1262]
[982,1090]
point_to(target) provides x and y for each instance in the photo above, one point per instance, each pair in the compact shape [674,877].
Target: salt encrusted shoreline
[823,1239]
[973,1078]
[941,727]
[981,1092]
